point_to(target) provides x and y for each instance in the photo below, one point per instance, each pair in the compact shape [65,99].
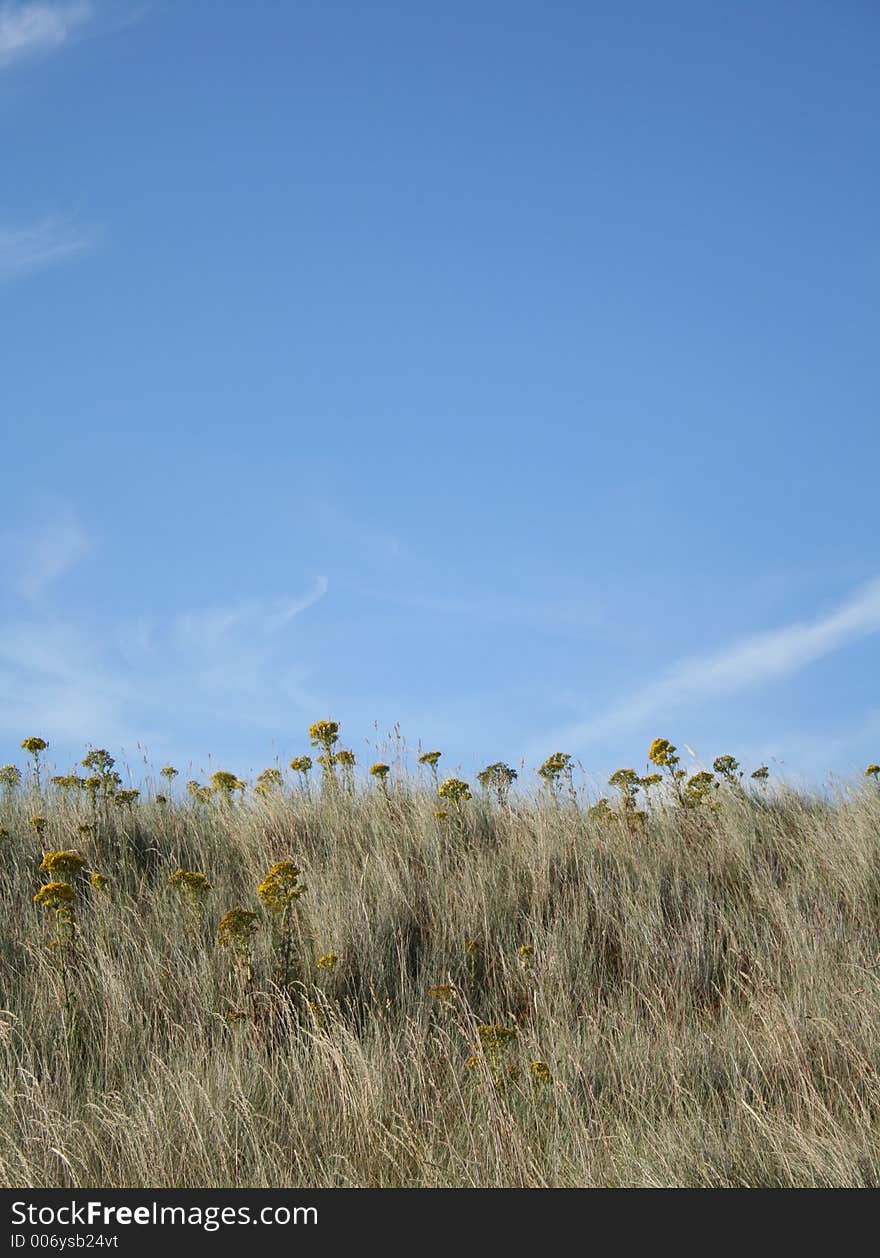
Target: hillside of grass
[345,981]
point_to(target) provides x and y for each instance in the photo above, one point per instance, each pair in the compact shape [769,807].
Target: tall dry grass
[704,990]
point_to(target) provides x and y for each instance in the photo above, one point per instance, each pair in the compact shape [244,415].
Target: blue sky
[502,371]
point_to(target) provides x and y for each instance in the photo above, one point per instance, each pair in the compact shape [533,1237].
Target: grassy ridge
[701,985]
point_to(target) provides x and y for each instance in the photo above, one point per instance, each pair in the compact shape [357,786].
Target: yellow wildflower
[281,887]
[454,789]
[324,734]
[55,895]
[64,865]
[236,928]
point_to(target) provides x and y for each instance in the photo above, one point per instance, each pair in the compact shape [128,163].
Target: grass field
[680,986]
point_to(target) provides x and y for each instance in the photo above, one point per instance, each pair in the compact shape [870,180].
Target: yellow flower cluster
[495,1036]
[225,783]
[191,885]
[236,928]
[498,777]
[55,895]
[454,789]
[34,745]
[494,1042]
[281,887]
[324,734]
[727,767]
[554,765]
[64,865]
[662,753]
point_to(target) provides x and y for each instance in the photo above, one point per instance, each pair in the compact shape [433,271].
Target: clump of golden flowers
[168,772]
[301,764]
[761,774]
[327,961]
[200,794]
[34,746]
[494,1043]
[101,764]
[62,865]
[525,955]
[602,812]
[191,885]
[280,888]
[380,772]
[324,734]
[498,778]
[627,781]
[68,782]
[316,1012]
[430,758]
[540,1071]
[225,784]
[58,897]
[126,799]
[98,881]
[454,790]
[873,771]
[269,781]
[662,752]
[55,895]
[555,770]
[92,786]
[10,776]
[38,823]
[443,992]
[699,789]
[236,930]
[495,1036]
[728,768]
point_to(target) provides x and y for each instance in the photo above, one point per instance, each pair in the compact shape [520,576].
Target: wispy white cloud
[758,659]
[40,244]
[158,681]
[263,617]
[48,554]
[39,26]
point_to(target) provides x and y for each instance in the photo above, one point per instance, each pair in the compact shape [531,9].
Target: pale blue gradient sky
[507,371]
